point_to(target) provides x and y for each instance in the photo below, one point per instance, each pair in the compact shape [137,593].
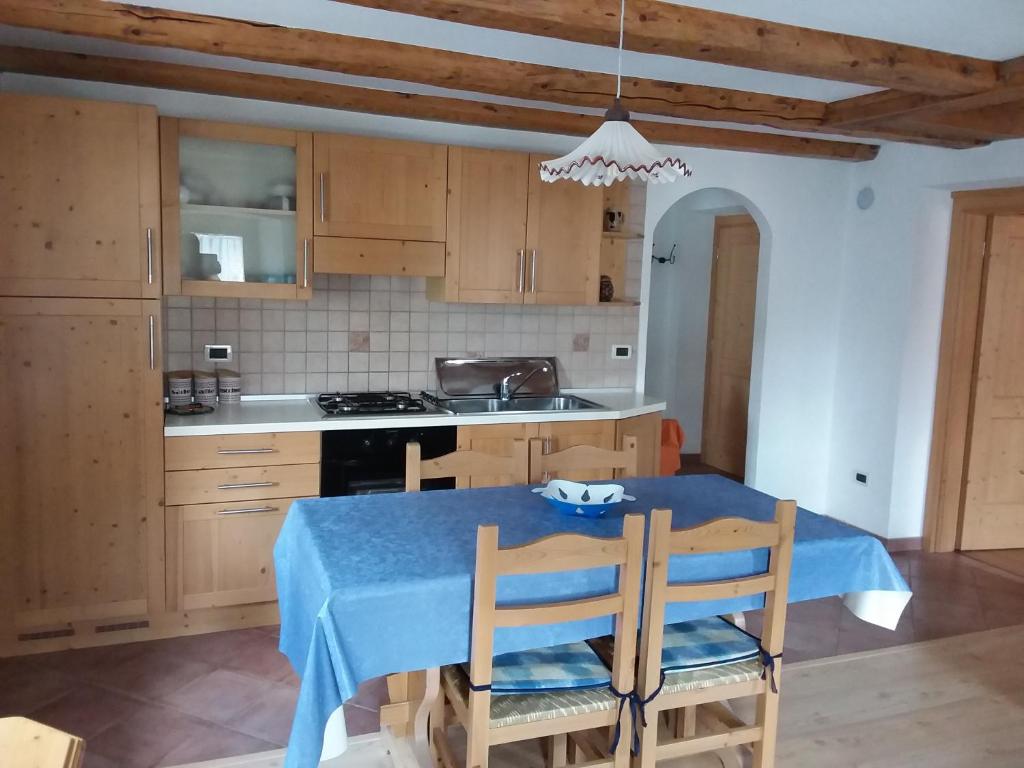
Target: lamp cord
[622,31]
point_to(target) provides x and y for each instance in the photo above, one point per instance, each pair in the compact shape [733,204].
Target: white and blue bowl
[583,499]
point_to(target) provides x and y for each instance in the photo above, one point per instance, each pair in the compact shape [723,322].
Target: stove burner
[354,403]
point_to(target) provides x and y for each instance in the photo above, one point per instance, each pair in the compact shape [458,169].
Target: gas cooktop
[368,403]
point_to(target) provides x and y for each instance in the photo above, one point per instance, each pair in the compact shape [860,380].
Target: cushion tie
[637,710]
[768,666]
[479,688]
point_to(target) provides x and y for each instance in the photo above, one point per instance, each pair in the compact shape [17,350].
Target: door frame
[970,232]
[721,222]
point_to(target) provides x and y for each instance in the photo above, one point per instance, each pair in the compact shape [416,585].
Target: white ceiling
[984,28]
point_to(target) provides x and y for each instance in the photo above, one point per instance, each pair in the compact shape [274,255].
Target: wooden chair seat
[520,708]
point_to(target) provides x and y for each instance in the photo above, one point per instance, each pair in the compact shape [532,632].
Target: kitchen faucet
[505,391]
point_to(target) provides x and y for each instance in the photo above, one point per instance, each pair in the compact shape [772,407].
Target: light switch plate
[217,353]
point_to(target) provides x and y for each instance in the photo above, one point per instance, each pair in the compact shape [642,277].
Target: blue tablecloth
[370,585]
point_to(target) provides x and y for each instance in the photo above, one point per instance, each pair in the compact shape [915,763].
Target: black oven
[361,461]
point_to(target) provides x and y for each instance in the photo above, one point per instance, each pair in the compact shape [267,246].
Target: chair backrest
[583,458]
[465,463]
[727,534]
[555,554]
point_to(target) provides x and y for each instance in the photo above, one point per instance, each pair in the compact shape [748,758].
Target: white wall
[893,282]
[680,294]
[799,207]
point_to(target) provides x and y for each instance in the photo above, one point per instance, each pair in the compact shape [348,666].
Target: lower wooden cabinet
[81,469]
[559,435]
[223,554]
[227,498]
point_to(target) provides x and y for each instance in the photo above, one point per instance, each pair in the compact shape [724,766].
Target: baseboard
[909,544]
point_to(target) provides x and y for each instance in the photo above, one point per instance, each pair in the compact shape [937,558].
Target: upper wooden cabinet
[79,192]
[379,188]
[81,467]
[513,239]
[563,236]
[238,210]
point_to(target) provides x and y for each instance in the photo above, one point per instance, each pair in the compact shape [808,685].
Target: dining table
[381,584]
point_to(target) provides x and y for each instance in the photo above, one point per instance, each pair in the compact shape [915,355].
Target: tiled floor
[197,698]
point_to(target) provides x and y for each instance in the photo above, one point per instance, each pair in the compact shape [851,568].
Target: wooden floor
[951,703]
[1010,560]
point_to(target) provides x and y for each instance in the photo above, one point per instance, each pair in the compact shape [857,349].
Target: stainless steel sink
[518,404]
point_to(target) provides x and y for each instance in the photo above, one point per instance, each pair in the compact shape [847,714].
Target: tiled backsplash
[360,333]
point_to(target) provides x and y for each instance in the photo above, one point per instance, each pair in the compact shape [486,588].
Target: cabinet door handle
[152,343]
[233,486]
[522,268]
[533,270]
[242,451]
[323,197]
[246,510]
[305,263]
[149,254]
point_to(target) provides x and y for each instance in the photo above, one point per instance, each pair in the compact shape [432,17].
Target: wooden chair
[465,463]
[706,689]
[25,743]
[503,718]
[582,458]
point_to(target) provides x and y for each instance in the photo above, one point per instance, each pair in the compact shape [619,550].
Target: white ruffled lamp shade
[614,152]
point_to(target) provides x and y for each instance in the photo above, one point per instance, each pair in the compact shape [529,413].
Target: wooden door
[993,515]
[730,343]
[81,463]
[559,435]
[495,439]
[487,226]
[563,241]
[380,188]
[79,195]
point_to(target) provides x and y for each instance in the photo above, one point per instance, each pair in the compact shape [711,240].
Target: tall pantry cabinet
[81,462]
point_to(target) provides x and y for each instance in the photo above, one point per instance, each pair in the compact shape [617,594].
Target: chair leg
[648,756]
[686,722]
[556,751]
[768,719]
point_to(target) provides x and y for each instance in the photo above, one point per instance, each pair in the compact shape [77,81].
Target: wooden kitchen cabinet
[563,241]
[237,210]
[494,439]
[646,428]
[81,467]
[513,239]
[80,196]
[227,498]
[559,435]
[226,552]
[381,189]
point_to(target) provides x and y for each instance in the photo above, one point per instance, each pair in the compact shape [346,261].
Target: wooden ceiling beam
[665,28]
[396,61]
[245,85]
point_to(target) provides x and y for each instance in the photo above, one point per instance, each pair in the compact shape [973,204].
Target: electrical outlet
[217,353]
[621,351]
[861,478]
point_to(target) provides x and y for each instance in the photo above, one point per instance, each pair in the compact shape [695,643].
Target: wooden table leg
[409,741]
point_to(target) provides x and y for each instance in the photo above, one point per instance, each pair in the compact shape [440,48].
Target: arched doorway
[701,324]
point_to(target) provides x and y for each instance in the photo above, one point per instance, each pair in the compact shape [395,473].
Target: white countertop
[301,414]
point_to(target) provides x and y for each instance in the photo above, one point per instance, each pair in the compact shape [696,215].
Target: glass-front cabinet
[238,213]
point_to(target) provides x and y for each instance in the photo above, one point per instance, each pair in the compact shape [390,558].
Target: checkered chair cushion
[706,643]
[558,668]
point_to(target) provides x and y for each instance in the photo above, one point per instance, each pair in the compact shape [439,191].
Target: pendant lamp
[615,151]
